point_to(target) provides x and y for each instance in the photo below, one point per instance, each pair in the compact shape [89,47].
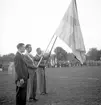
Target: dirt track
[65,86]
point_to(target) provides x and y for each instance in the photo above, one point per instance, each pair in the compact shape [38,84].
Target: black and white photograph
[50,52]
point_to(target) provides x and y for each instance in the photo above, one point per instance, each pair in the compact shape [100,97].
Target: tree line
[60,54]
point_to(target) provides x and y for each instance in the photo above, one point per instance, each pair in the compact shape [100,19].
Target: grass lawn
[65,86]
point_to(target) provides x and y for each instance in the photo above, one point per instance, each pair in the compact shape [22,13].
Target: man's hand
[21,81]
[35,66]
[18,84]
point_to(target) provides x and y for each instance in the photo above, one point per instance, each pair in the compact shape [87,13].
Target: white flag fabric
[69,31]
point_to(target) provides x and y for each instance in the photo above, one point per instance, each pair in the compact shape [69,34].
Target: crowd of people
[29,74]
[75,64]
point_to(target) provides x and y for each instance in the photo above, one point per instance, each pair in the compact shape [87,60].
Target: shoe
[30,100]
[44,93]
[34,99]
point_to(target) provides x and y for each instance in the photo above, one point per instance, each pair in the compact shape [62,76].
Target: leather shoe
[34,99]
[44,93]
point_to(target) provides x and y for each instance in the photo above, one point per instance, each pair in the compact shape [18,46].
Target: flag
[70,32]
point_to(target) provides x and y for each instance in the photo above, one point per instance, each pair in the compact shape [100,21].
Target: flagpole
[47,48]
[53,45]
[51,49]
[50,42]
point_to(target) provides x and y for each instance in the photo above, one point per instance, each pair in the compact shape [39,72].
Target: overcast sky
[35,21]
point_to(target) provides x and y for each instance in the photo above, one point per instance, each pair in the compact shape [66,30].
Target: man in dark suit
[32,81]
[22,75]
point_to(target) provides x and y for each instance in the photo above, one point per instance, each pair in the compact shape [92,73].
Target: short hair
[38,49]
[20,45]
[27,45]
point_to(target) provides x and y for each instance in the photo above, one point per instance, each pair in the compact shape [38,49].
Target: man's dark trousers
[21,93]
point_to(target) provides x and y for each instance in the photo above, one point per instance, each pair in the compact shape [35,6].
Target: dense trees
[8,57]
[61,54]
[94,54]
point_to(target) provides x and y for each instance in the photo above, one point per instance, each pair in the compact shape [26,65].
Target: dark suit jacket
[31,68]
[20,68]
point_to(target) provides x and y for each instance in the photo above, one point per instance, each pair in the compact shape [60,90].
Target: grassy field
[65,86]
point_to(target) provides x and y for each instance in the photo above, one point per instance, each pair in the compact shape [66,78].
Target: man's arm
[37,59]
[18,68]
[46,56]
[29,63]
